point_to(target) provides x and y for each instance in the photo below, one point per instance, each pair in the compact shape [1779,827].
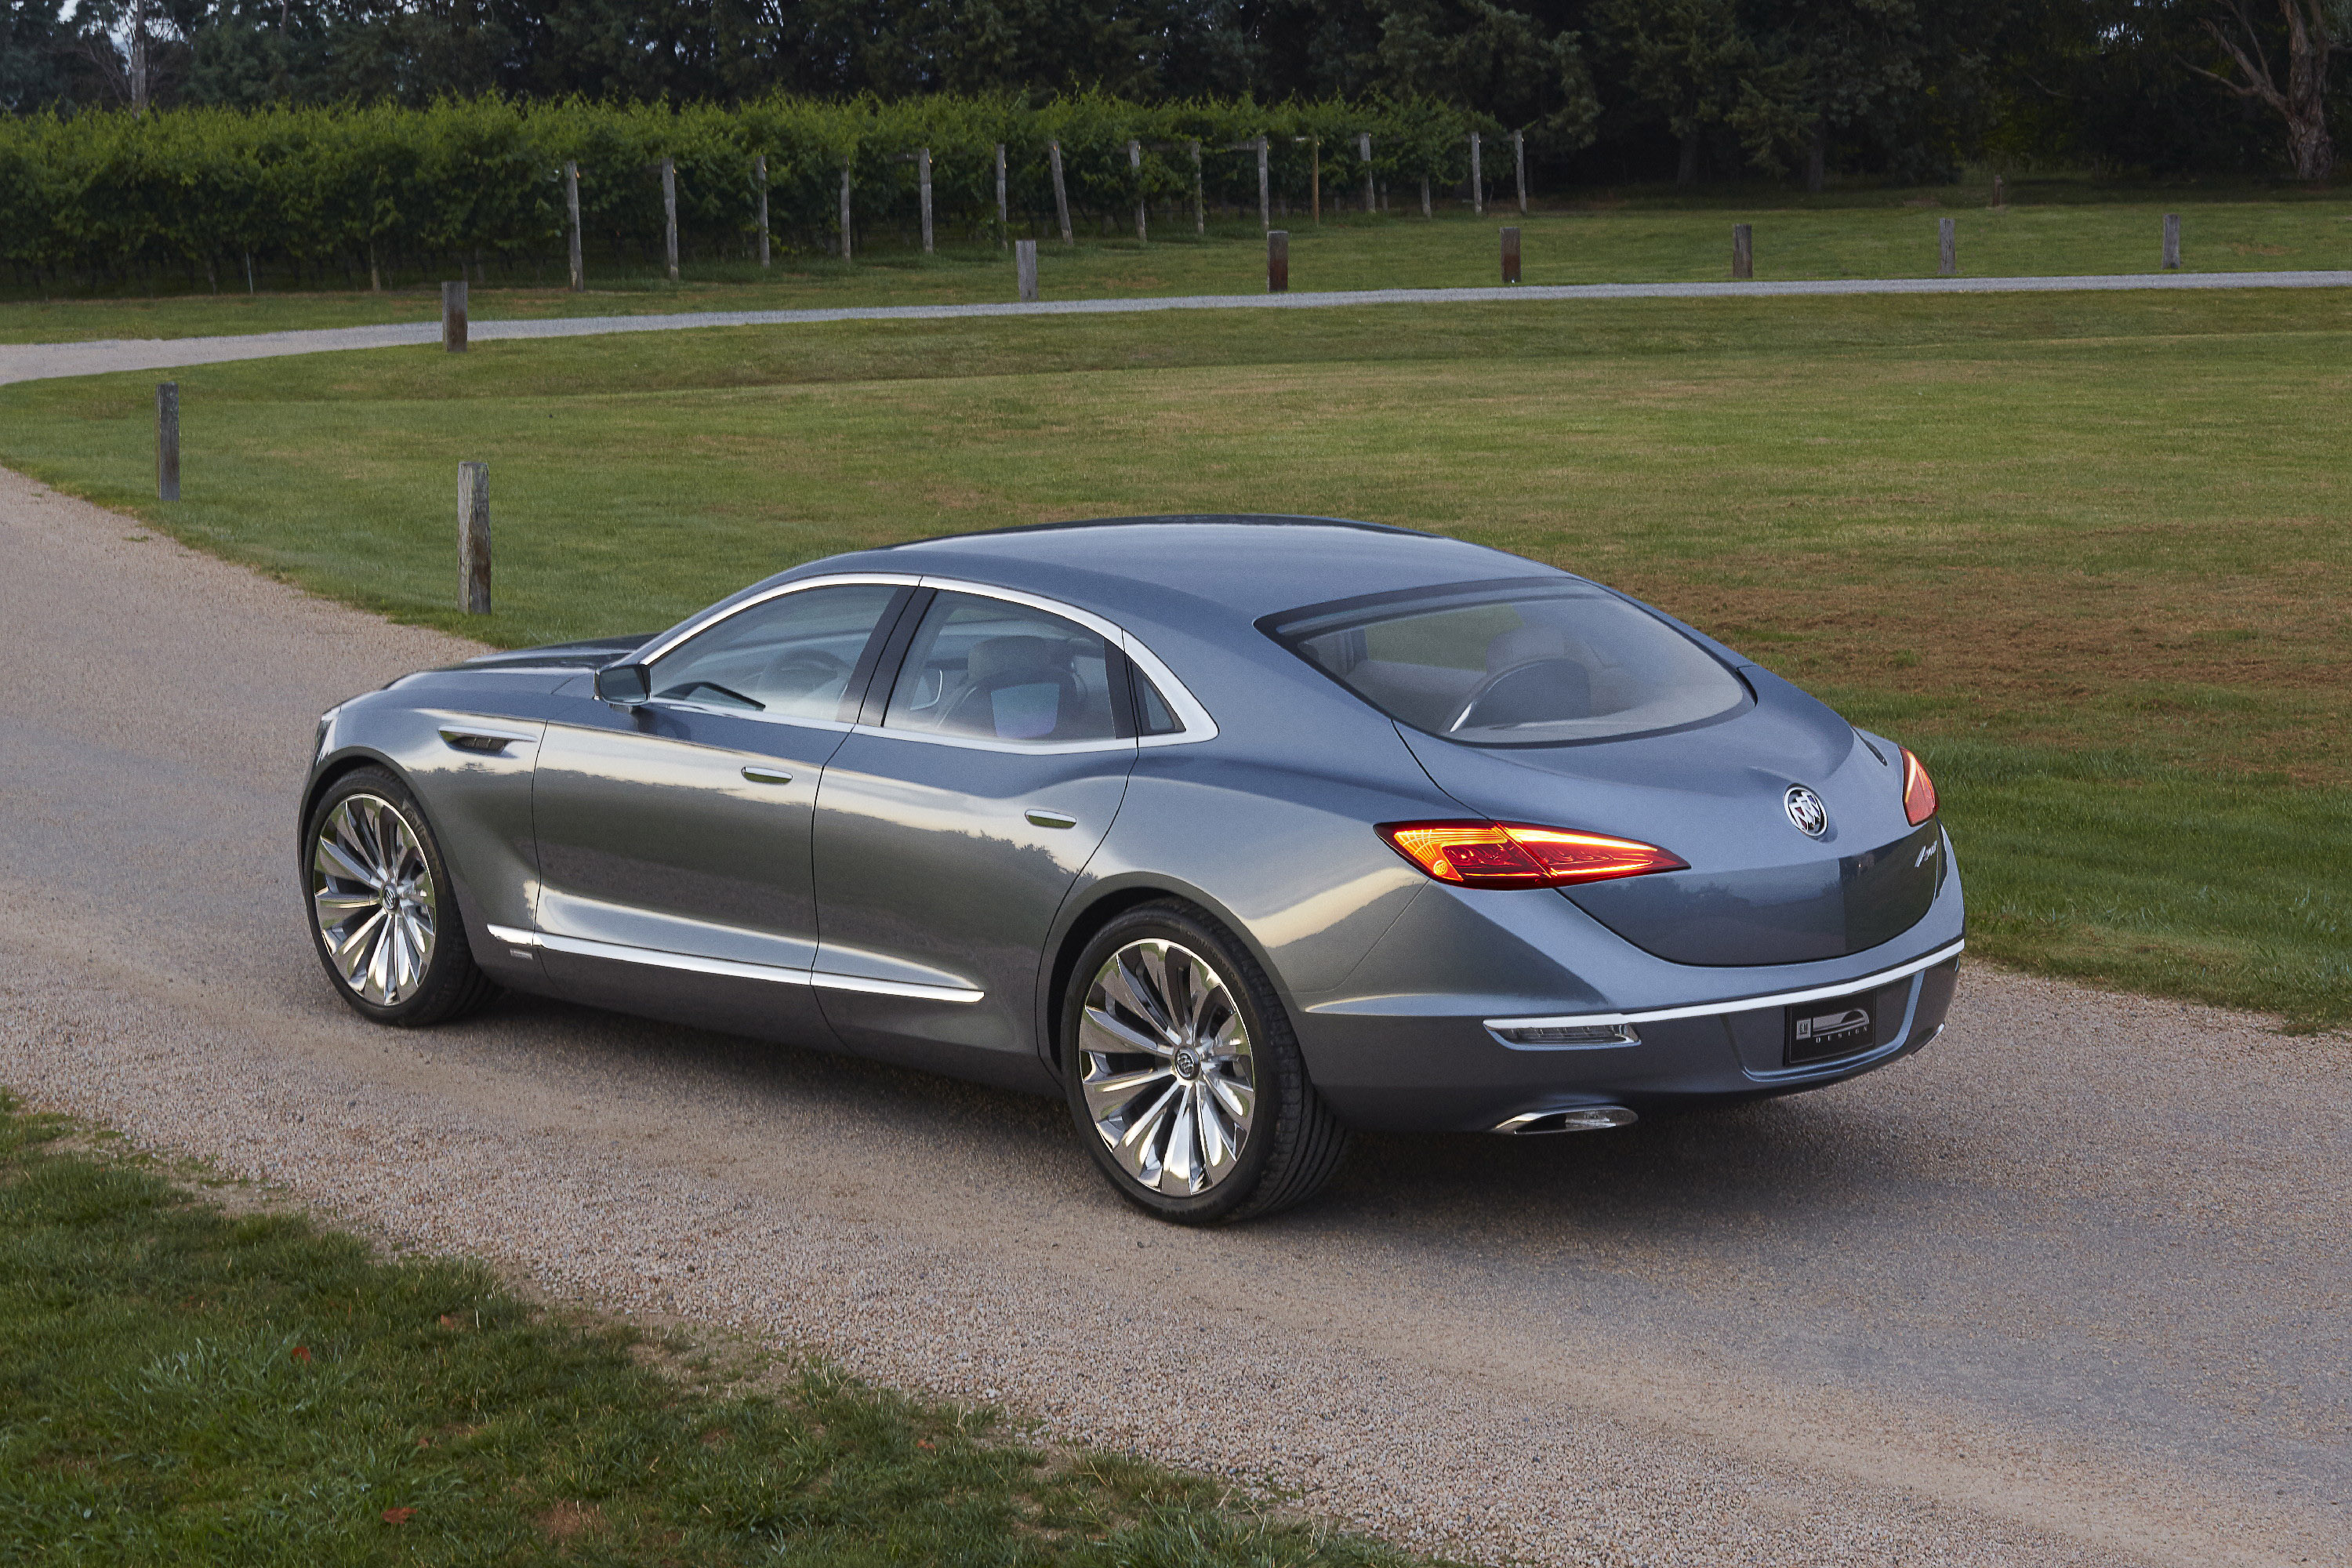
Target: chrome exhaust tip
[1576,1118]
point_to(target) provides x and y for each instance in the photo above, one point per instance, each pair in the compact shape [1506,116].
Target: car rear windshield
[1508,665]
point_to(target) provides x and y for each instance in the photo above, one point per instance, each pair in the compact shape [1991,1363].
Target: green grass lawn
[2088,553]
[2055,227]
[180,1385]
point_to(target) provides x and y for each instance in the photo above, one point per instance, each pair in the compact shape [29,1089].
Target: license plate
[1837,1027]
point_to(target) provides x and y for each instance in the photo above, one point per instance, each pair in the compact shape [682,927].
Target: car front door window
[790,658]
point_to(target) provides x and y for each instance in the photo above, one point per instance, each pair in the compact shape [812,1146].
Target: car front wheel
[1184,1077]
[381,914]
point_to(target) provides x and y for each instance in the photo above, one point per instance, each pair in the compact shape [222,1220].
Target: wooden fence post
[1999,199]
[669,214]
[1364,151]
[1477,179]
[1519,163]
[453,315]
[1277,261]
[473,538]
[571,208]
[1315,178]
[1948,245]
[2171,241]
[1743,250]
[1061,191]
[1003,213]
[1135,167]
[1265,190]
[1200,197]
[923,192]
[167,440]
[1024,268]
[760,167]
[1424,197]
[845,206]
[1511,254]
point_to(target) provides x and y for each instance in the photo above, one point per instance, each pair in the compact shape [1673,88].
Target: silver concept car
[1238,832]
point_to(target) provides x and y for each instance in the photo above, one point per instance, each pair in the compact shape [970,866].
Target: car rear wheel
[1184,1077]
[382,915]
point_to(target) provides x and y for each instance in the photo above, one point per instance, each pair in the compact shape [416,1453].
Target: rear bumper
[1457,1074]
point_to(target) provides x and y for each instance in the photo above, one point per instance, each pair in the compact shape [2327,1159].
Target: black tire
[1293,1142]
[450,984]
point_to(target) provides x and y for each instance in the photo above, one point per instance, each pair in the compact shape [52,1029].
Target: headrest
[993,656]
[1525,645]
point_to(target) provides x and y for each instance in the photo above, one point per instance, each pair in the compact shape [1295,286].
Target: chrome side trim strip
[695,963]
[1742,1004]
[826,980]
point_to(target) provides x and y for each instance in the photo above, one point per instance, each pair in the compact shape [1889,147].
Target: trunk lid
[1758,890]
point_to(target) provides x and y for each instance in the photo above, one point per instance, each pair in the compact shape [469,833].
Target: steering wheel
[1542,690]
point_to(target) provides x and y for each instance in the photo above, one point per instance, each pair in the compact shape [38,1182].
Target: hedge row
[109,196]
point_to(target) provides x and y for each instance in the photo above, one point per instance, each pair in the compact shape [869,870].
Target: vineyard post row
[464,185]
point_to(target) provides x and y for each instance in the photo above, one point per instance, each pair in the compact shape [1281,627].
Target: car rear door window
[790,656]
[990,670]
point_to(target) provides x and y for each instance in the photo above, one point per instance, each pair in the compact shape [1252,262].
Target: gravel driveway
[2071,1286]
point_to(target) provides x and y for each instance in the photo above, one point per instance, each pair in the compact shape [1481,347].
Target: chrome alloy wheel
[1167,1074]
[372,894]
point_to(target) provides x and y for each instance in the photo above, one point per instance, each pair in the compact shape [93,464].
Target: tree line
[365,194]
[1606,90]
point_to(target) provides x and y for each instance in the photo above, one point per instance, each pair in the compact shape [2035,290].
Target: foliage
[476,181]
[1606,90]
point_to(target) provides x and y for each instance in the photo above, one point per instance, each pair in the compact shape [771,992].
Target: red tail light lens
[1514,854]
[1918,790]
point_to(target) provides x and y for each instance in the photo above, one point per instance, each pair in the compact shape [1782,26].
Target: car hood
[591,653]
[1758,890]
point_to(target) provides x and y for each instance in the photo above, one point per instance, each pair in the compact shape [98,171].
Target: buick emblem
[1806,810]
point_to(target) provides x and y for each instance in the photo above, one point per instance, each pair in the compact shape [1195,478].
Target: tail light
[1514,855]
[1918,790]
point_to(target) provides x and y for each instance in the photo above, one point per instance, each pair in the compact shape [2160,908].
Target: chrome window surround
[1198,725]
[1742,1004]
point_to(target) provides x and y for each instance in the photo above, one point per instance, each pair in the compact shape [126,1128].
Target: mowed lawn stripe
[2089,556]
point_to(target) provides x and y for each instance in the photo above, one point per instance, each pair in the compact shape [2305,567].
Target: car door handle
[1052,819]
[767,776]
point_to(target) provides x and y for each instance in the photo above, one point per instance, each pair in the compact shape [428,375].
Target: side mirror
[624,683]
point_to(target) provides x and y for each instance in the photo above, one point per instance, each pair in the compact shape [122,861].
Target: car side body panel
[939,865]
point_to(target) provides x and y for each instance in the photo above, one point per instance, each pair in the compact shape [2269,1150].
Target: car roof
[1247,565]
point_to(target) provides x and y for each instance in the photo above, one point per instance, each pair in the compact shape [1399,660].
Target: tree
[1698,64]
[2300,102]
[134,51]
[1477,54]
[1833,63]
[38,51]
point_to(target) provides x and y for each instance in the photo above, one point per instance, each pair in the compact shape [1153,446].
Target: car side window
[790,658]
[999,671]
[1152,714]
